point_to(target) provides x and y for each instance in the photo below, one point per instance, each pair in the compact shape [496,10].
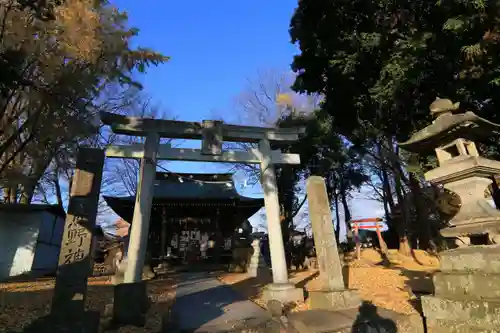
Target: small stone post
[75,262]
[280,290]
[257,266]
[333,294]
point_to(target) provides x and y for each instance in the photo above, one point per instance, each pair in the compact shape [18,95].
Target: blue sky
[215,46]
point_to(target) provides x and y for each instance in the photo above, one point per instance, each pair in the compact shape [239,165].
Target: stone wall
[30,243]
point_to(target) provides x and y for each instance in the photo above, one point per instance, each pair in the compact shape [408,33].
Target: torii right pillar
[281,289]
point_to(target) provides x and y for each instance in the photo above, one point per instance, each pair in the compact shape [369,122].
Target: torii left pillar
[281,289]
[130,298]
[142,211]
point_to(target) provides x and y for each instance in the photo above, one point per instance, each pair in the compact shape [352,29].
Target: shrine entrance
[195,219]
[212,134]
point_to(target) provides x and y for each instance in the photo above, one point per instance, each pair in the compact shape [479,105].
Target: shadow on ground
[419,281]
[365,319]
[203,302]
[252,287]
[368,320]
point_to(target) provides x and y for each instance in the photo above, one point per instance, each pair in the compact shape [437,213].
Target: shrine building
[202,210]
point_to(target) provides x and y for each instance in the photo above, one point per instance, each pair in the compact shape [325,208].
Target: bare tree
[266,100]
[119,175]
[125,171]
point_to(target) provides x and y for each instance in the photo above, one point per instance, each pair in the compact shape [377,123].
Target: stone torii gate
[212,133]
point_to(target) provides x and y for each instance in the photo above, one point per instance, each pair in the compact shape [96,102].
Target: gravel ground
[386,285]
[393,286]
[23,302]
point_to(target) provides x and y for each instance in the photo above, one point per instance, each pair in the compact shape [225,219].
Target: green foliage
[325,153]
[58,58]
[380,63]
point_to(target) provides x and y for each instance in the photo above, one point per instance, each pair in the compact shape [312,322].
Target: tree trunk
[13,195]
[404,245]
[39,168]
[347,212]
[385,180]
[57,187]
[422,220]
[385,203]
[337,217]
[70,181]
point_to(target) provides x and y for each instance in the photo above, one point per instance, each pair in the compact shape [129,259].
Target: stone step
[452,326]
[334,299]
[363,319]
[479,313]
[483,258]
[467,285]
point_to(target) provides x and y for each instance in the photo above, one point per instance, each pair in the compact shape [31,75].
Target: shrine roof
[194,187]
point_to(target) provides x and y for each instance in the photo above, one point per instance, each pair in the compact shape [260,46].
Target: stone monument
[333,295]
[75,261]
[335,308]
[467,288]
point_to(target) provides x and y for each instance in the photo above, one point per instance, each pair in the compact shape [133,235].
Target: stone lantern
[467,286]
[462,171]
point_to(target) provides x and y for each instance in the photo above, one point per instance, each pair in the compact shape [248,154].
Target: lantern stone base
[457,316]
[283,292]
[467,292]
[334,299]
[366,318]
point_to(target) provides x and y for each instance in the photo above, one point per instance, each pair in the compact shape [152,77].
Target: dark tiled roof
[199,186]
[195,187]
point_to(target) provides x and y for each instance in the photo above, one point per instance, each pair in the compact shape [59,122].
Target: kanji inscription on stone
[327,254]
[75,264]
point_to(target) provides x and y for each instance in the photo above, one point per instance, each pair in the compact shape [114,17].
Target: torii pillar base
[283,292]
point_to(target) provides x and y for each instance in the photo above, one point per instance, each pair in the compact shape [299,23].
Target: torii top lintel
[194,130]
